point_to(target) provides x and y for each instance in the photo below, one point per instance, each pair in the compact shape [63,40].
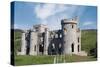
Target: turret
[69,33]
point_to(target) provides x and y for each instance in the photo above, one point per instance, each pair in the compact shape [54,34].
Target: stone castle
[41,41]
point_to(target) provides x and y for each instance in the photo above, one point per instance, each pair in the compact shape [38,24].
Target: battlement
[40,27]
[69,21]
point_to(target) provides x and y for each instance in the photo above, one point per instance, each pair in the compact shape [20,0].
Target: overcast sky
[27,14]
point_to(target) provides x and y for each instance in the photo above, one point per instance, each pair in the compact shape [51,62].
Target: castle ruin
[41,41]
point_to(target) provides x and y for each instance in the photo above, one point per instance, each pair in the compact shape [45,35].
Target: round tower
[69,33]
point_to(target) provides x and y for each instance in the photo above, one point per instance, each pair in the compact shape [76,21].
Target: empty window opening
[60,36]
[35,48]
[56,35]
[27,48]
[53,45]
[72,26]
[41,48]
[72,46]
[78,48]
[60,49]
[78,39]
[53,49]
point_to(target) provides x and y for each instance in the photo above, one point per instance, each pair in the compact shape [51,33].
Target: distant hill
[17,33]
[89,30]
[17,30]
[89,39]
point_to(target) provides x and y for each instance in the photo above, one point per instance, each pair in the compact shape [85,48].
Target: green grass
[29,60]
[33,60]
[88,39]
[17,41]
[17,35]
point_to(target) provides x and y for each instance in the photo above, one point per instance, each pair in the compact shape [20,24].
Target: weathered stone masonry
[41,41]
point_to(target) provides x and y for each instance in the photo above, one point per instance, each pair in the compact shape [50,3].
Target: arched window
[72,46]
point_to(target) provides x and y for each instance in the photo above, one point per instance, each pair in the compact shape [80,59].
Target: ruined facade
[41,41]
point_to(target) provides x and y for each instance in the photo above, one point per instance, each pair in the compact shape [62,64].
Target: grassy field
[88,40]
[33,60]
[17,41]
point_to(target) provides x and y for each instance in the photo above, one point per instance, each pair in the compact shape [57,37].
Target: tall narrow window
[56,35]
[78,48]
[53,49]
[72,46]
[60,48]
[35,48]
[53,45]
[60,35]
[78,39]
[72,26]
